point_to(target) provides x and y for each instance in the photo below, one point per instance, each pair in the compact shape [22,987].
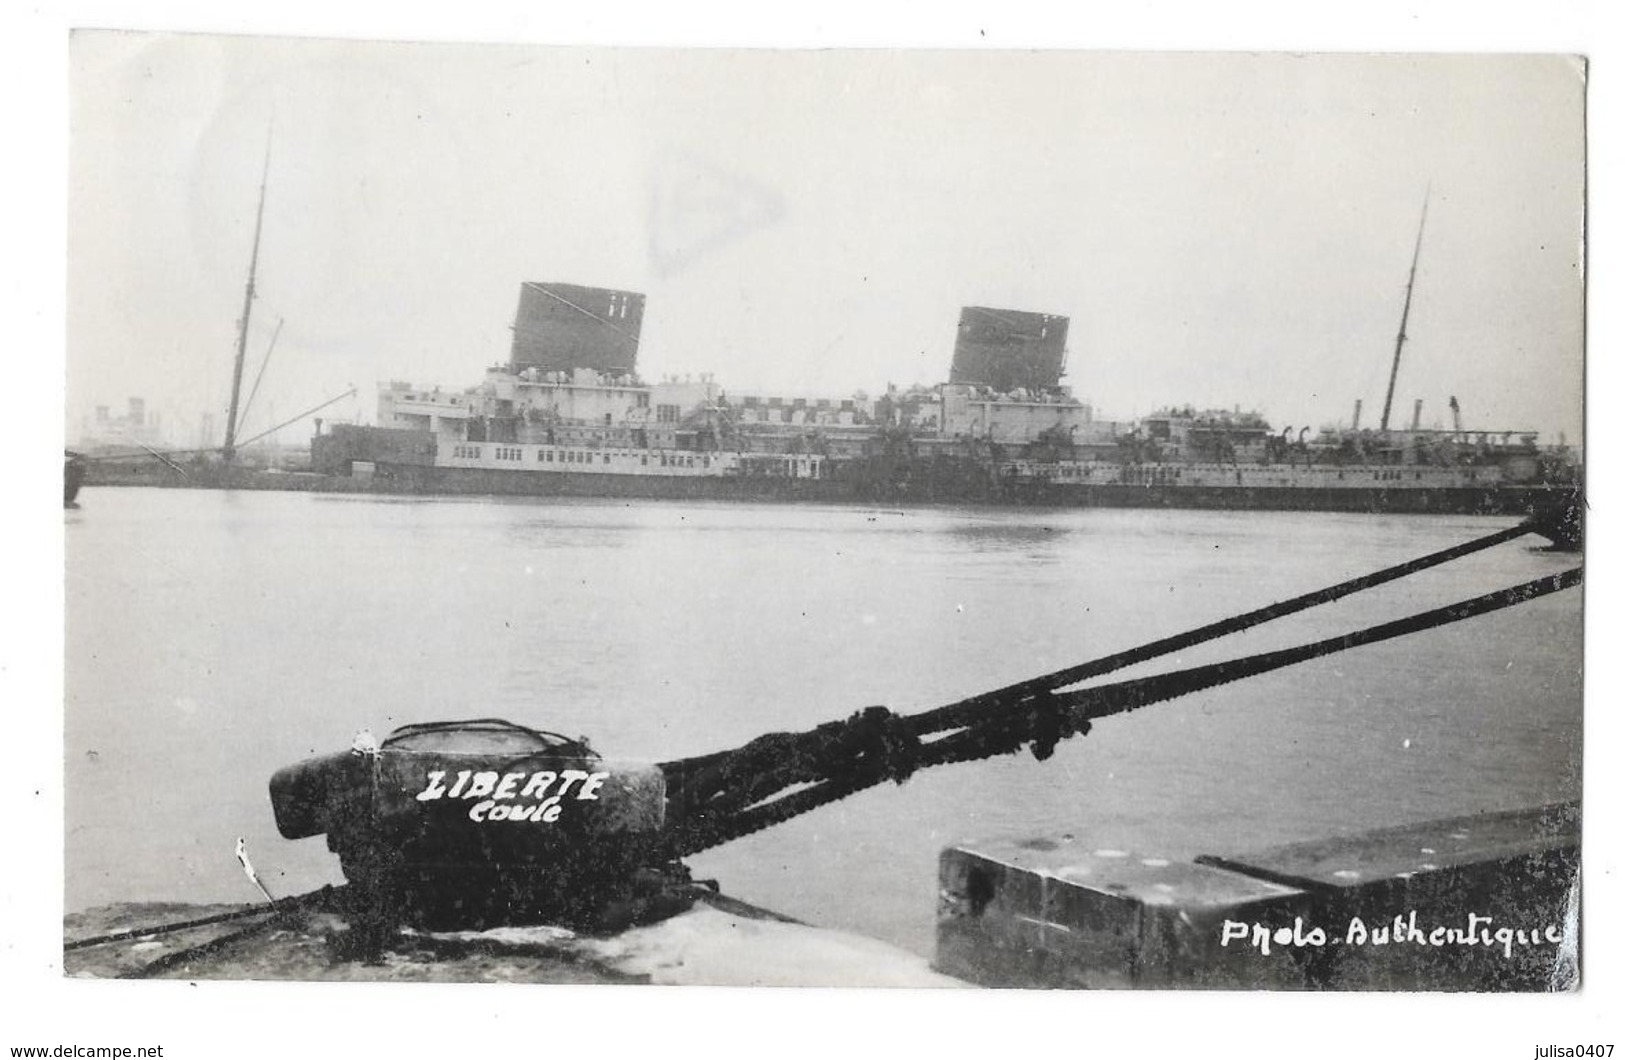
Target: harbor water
[213,637]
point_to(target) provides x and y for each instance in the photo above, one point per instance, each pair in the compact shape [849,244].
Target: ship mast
[230,450]
[1404,317]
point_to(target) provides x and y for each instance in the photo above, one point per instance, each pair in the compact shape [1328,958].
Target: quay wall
[1478,903]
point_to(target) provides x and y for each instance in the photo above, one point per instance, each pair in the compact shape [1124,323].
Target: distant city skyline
[1221,230]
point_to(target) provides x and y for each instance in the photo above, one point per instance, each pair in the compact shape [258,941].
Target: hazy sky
[1222,229]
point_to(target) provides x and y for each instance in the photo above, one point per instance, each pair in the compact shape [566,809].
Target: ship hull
[884,481]
[900,486]
[73,476]
[482,481]
[1424,500]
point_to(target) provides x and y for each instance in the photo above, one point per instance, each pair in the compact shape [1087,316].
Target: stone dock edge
[1487,902]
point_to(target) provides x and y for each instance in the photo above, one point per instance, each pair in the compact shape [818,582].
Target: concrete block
[1056,913]
[1486,902]
[1464,903]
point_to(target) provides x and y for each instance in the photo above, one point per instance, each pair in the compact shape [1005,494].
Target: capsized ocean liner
[568,415]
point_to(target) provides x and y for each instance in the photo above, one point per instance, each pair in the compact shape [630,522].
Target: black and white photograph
[1057,519]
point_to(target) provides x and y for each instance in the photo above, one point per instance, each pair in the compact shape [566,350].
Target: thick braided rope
[1018,718]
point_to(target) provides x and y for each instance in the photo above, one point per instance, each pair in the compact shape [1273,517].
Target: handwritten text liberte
[496,793]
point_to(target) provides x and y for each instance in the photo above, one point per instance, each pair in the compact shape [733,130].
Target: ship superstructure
[565,415]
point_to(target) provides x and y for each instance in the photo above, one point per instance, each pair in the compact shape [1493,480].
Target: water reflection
[1035,540]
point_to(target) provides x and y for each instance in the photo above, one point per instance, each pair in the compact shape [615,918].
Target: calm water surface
[214,637]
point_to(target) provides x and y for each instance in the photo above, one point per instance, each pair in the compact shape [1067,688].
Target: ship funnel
[1416,417]
[1357,404]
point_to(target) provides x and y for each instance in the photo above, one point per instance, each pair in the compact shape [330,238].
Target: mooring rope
[282,905]
[203,950]
[1041,717]
[1130,695]
[963,712]
[972,710]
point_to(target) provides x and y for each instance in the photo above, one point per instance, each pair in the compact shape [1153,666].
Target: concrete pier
[1487,902]
[719,942]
